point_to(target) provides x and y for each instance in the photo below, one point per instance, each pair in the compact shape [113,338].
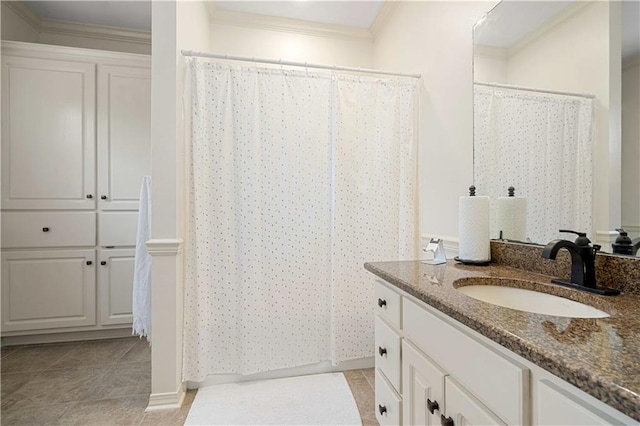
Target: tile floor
[104,382]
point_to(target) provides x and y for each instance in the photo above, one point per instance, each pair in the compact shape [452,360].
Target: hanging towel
[142,269]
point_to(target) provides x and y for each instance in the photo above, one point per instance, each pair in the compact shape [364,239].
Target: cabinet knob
[45,229]
[89,263]
[103,262]
[382,409]
[432,406]
[103,197]
[446,421]
[89,196]
[382,302]
[382,351]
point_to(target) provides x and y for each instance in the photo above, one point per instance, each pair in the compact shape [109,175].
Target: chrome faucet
[583,261]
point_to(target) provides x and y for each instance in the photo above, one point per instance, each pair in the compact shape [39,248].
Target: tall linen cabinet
[75,147]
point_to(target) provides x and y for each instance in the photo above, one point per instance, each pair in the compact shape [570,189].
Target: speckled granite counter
[600,356]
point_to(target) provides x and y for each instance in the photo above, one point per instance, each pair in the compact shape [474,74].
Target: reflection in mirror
[546,114]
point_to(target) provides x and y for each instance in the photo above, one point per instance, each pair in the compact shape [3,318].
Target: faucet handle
[582,239]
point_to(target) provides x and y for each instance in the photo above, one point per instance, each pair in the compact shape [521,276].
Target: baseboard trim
[71,336]
[166,401]
[305,370]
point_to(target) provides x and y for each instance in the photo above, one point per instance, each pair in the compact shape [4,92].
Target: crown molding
[49,51]
[76,29]
[103,32]
[271,23]
[383,15]
[24,12]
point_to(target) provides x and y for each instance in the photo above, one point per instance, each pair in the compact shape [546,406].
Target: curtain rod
[294,64]
[530,89]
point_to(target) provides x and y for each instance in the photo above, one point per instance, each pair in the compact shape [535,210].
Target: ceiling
[135,14]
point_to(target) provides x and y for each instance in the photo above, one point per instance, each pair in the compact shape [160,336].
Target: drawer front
[388,403]
[388,304]
[117,229]
[388,358]
[69,229]
[501,384]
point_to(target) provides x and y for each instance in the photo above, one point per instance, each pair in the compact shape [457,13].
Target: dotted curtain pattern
[296,180]
[542,144]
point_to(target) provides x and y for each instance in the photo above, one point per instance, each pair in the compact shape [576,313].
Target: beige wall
[631,147]
[15,28]
[292,46]
[435,39]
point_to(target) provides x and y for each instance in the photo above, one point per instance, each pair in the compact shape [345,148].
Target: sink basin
[490,290]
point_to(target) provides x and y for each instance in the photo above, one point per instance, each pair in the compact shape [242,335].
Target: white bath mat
[320,399]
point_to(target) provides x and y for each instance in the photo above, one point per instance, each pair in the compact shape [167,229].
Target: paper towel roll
[473,229]
[512,217]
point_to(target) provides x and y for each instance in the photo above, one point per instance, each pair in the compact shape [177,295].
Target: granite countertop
[600,356]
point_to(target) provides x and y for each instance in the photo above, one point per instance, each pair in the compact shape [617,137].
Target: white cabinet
[124,139]
[48,134]
[70,116]
[115,280]
[556,406]
[462,408]
[422,387]
[48,289]
[450,375]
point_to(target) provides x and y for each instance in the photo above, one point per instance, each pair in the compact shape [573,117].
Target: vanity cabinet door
[422,387]
[556,406]
[464,409]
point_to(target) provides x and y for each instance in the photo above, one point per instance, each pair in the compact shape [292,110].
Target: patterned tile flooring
[104,382]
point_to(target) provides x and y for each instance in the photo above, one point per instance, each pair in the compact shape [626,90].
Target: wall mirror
[556,115]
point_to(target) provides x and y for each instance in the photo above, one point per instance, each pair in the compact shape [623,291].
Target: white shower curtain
[297,178]
[542,144]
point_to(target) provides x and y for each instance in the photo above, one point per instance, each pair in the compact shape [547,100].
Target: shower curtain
[542,144]
[296,180]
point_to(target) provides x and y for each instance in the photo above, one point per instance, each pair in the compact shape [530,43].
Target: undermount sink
[509,294]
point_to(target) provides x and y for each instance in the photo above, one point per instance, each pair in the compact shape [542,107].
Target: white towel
[142,272]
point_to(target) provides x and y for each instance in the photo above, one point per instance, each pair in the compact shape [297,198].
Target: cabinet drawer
[69,229]
[388,304]
[388,352]
[117,229]
[388,403]
[501,384]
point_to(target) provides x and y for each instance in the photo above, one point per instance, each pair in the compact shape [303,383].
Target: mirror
[554,84]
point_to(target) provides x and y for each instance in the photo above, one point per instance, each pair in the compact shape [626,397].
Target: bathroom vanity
[443,357]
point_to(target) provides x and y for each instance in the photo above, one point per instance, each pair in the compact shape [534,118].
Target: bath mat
[320,399]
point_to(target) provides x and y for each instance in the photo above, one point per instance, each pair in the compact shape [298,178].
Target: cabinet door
[48,289]
[557,406]
[115,279]
[48,134]
[464,409]
[422,387]
[124,135]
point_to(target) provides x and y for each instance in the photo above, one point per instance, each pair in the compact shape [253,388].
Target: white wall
[490,64]
[292,46]
[631,147]
[93,43]
[544,63]
[175,26]
[435,39]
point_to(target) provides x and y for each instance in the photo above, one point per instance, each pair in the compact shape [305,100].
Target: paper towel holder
[435,246]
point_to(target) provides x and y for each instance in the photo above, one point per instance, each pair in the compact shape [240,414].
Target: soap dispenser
[623,244]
